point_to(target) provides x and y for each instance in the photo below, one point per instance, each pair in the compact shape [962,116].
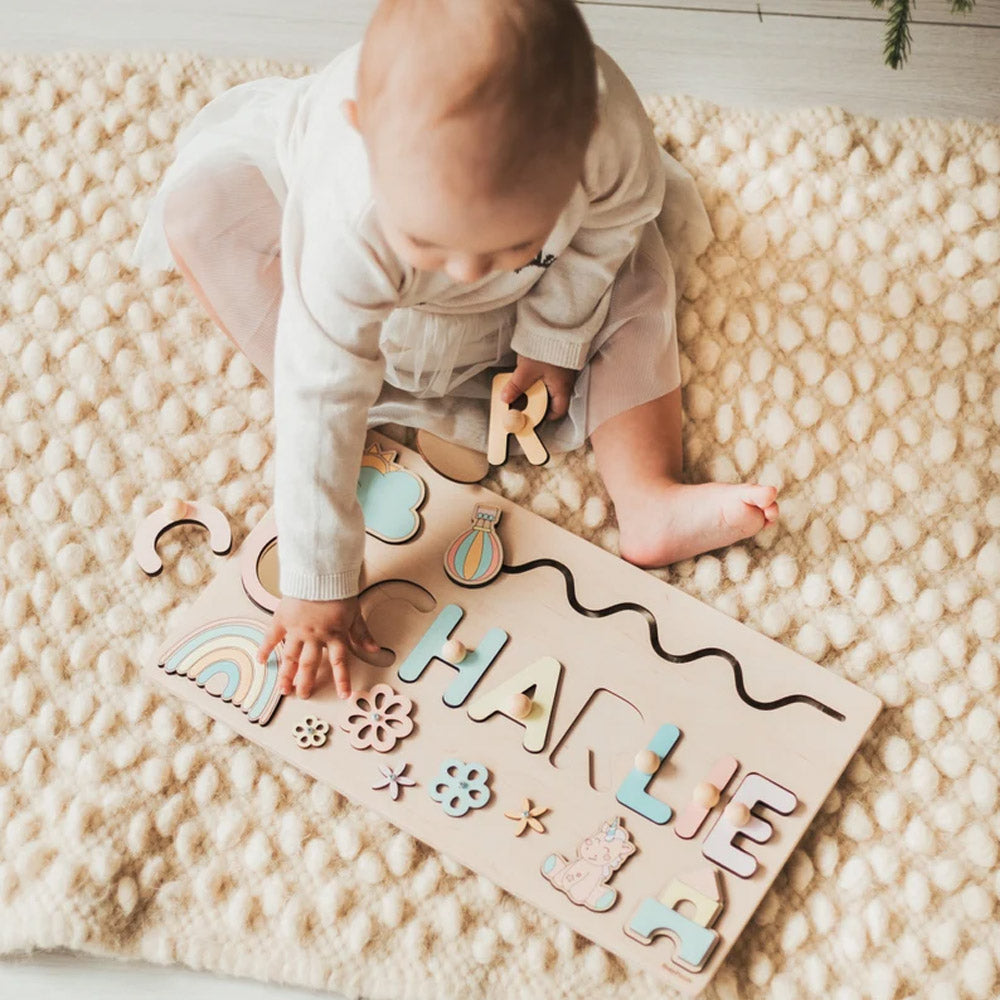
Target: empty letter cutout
[598,742]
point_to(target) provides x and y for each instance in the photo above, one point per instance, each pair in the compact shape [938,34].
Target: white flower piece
[311,732]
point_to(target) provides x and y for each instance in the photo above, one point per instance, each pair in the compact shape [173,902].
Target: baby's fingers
[361,638]
[271,639]
[337,650]
[308,663]
[289,665]
[516,386]
[558,401]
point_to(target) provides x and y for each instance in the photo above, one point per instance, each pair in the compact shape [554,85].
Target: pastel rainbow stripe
[229,646]
[475,555]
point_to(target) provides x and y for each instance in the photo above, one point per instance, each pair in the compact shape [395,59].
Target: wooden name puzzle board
[593,740]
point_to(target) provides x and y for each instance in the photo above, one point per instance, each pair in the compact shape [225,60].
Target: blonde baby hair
[524,70]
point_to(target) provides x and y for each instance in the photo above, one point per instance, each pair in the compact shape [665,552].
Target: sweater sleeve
[328,371]
[625,182]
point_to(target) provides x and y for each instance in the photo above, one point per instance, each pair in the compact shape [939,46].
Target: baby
[475,186]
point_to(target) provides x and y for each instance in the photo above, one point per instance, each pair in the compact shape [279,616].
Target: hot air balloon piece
[476,556]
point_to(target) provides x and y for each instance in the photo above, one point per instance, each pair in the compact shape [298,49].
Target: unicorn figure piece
[585,881]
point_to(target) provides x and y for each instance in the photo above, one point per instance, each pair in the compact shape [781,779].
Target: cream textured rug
[840,340]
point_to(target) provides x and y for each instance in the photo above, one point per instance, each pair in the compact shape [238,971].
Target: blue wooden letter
[632,792]
[475,663]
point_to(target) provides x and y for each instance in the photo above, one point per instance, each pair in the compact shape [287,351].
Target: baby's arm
[328,372]
[624,178]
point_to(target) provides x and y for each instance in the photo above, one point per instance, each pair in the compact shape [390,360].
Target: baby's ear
[349,109]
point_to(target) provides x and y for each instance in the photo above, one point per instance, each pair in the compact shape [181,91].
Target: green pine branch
[897,33]
[897,27]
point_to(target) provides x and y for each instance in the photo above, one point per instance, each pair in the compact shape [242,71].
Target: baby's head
[476,115]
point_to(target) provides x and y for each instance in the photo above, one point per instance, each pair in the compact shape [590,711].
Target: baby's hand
[309,629]
[558,381]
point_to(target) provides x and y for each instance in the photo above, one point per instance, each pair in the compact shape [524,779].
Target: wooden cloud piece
[598,857]
[390,496]
[506,421]
[174,512]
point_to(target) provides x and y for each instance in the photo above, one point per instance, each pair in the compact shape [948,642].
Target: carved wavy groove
[654,641]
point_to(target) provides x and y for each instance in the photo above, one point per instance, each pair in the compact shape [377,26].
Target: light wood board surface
[623,678]
[790,54]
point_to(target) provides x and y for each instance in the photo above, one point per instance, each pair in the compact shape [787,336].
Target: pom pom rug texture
[839,339]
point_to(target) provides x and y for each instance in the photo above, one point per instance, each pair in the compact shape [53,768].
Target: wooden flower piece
[461,786]
[378,718]
[393,779]
[311,732]
[527,817]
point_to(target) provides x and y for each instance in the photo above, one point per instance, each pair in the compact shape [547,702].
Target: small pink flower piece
[393,779]
[311,732]
[378,718]
[526,817]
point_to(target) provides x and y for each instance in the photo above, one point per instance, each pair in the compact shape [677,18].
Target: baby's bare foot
[666,522]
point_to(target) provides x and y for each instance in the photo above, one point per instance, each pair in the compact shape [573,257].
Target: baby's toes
[759,496]
[741,514]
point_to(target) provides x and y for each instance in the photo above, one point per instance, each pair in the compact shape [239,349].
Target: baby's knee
[233,205]
[187,217]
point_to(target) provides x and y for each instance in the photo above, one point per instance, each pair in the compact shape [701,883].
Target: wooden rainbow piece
[227,648]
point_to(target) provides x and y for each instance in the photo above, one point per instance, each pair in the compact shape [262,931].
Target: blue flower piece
[460,787]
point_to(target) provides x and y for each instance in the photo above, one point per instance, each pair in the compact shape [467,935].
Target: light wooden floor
[62,975]
[792,53]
